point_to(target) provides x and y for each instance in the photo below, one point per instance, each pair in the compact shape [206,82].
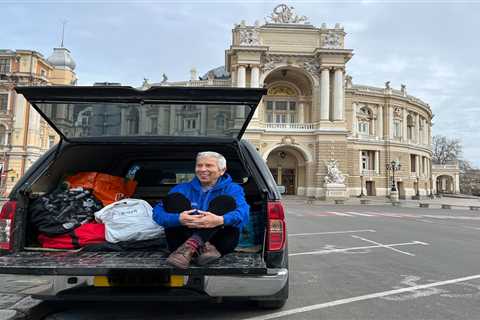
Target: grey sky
[430,46]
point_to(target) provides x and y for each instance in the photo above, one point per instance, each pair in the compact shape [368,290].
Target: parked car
[109,129]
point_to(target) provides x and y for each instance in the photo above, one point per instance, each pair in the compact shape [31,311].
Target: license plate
[172,281]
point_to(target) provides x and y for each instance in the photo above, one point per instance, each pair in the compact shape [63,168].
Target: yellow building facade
[24,135]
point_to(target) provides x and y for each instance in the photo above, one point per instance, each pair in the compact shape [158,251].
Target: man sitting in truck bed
[203,218]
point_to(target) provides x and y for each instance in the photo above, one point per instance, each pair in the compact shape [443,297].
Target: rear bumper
[214,286]
[251,286]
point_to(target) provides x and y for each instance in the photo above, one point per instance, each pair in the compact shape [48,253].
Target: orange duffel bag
[106,188]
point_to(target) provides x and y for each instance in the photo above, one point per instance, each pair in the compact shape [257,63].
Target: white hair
[221,161]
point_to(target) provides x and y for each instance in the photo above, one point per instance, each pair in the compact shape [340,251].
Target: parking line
[360,214]
[340,214]
[329,232]
[362,298]
[385,246]
[355,248]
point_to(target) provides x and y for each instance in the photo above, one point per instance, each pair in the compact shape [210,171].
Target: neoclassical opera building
[314,113]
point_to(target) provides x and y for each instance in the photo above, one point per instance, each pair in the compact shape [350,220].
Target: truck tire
[277,301]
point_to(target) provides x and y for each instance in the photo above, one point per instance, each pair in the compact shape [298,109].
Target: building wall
[28,136]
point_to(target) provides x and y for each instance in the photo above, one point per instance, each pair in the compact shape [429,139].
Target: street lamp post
[393,166]
[361,185]
[417,189]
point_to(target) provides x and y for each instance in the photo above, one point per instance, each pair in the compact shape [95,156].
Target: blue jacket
[193,191]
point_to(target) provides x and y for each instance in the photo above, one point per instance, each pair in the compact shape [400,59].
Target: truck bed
[105,263]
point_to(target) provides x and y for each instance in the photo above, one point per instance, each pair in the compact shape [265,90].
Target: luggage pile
[93,209]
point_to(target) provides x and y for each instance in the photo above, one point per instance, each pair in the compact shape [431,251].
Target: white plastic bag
[127,220]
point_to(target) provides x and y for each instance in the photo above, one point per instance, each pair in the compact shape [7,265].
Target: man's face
[207,171]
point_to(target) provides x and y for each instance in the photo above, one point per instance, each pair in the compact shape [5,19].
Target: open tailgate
[106,263]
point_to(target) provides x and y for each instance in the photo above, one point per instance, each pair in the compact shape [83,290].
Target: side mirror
[281,189]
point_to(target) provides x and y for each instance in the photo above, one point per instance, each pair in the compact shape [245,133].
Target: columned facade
[313,111]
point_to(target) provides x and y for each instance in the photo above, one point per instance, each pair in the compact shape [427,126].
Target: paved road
[354,262]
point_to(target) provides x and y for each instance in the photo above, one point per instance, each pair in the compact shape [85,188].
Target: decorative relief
[271,61]
[284,14]
[249,36]
[332,40]
[288,140]
[281,91]
[311,65]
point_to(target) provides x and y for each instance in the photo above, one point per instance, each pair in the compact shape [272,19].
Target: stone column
[338,93]
[171,129]
[241,77]
[417,165]
[390,121]
[255,83]
[301,112]
[405,126]
[203,120]
[425,132]
[457,184]
[360,168]
[241,83]
[380,121]
[417,124]
[377,162]
[325,95]
[354,119]
[255,77]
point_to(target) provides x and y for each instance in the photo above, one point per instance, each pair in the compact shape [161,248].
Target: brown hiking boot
[208,254]
[181,257]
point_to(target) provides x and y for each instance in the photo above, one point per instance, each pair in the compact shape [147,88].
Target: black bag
[63,210]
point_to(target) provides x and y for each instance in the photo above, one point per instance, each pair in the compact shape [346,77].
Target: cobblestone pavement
[15,300]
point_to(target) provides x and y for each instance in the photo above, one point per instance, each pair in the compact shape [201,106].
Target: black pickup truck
[109,129]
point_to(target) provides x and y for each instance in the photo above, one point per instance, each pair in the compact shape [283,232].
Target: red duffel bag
[88,233]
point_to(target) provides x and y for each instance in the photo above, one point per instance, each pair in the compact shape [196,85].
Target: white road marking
[340,214]
[359,214]
[329,232]
[412,282]
[450,217]
[355,248]
[362,298]
[384,246]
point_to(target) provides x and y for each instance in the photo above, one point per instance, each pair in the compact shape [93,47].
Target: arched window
[220,121]
[365,118]
[281,105]
[3,135]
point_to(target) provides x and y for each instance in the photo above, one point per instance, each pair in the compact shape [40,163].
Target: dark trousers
[224,238]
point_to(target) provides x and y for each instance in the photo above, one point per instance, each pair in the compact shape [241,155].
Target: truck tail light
[6,224]
[276,231]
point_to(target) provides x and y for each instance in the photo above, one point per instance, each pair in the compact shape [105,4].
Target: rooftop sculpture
[284,14]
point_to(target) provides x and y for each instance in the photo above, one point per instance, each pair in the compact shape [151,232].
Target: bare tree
[445,149]
[469,178]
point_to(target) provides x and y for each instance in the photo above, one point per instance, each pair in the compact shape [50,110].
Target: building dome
[218,73]
[62,59]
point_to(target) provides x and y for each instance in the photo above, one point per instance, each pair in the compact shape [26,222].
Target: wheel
[277,301]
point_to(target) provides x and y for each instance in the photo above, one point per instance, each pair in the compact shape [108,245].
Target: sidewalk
[15,300]
[458,202]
